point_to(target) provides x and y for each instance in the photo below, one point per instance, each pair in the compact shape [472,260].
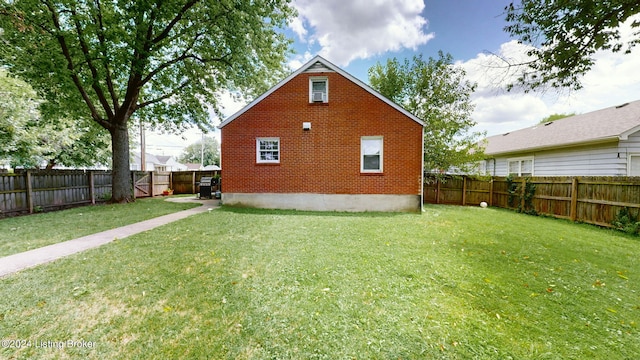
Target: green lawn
[451,283]
[22,233]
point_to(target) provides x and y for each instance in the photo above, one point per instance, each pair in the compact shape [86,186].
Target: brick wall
[325,159]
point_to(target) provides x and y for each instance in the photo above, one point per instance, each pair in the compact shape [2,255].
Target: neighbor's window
[634,165]
[521,166]
[371,154]
[318,89]
[268,150]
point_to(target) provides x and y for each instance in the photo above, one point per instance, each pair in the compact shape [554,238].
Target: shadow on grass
[367,214]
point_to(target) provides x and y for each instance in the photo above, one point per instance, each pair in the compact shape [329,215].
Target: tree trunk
[122,188]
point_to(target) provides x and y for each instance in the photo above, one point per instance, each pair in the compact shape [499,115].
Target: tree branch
[105,57]
[163,97]
[173,22]
[70,66]
[183,57]
[95,84]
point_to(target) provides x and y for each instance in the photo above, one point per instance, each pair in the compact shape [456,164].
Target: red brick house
[323,140]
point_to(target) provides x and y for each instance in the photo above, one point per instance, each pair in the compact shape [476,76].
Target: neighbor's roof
[327,64]
[610,124]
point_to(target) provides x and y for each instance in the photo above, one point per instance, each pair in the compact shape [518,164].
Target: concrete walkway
[14,263]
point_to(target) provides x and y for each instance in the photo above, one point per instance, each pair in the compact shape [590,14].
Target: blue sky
[355,34]
[462,28]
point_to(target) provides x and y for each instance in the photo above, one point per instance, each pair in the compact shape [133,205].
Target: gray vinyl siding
[595,160]
[631,146]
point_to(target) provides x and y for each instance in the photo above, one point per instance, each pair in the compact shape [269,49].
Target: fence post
[133,183]
[491,192]
[29,192]
[464,190]
[523,192]
[151,187]
[437,191]
[92,190]
[193,181]
[573,214]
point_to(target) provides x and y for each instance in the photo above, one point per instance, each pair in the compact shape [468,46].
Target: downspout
[422,174]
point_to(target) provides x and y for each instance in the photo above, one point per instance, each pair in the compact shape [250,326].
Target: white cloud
[349,30]
[298,60]
[613,80]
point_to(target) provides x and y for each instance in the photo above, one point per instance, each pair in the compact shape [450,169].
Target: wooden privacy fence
[32,191]
[188,182]
[39,190]
[593,200]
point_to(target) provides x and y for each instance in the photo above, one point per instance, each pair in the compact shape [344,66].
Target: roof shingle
[614,123]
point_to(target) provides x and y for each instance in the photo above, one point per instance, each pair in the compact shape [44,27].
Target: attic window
[318,90]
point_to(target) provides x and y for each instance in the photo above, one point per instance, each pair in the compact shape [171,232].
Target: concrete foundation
[325,202]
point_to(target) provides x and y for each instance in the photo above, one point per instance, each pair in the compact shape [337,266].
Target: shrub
[627,222]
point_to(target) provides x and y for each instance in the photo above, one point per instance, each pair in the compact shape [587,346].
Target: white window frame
[259,151]
[630,167]
[362,154]
[317,79]
[520,160]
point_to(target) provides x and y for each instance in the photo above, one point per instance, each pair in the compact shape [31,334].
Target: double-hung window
[521,166]
[318,89]
[268,150]
[371,154]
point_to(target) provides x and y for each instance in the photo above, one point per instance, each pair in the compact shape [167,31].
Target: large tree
[565,35]
[205,151]
[164,61]
[437,92]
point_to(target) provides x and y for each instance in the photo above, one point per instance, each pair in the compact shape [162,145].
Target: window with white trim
[268,150]
[318,89]
[634,165]
[520,166]
[371,154]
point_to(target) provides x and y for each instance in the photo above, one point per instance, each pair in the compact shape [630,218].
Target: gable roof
[605,125]
[318,62]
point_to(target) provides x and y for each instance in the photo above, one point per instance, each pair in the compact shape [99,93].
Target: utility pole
[202,153]
[143,150]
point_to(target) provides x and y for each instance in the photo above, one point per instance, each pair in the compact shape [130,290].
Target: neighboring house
[169,163]
[211,168]
[194,166]
[600,143]
[323,140]
[156,163]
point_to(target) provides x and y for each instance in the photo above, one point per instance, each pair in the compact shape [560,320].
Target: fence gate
[142,184]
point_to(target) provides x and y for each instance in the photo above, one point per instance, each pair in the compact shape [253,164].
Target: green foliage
[29,140]
[565,35]
[555,117]
[627,222]
[437,92]
[512,190]
[166,62]
[193,153]
[521,197]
